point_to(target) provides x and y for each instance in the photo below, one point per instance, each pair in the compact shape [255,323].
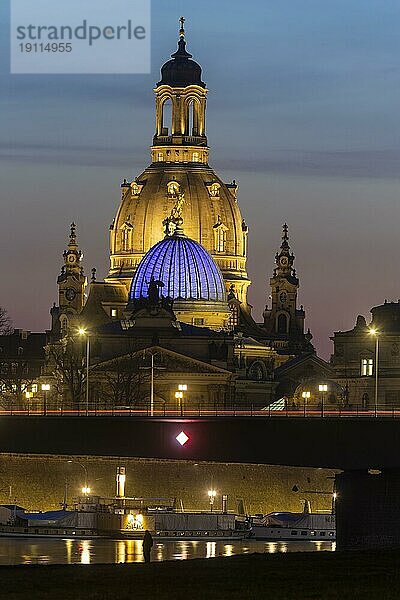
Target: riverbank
[318,576]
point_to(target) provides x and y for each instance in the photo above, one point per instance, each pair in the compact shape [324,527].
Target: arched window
[221,240]
[191,128]
[245,244]
[64,324]
[126,237]
[365,401]
[367,367]
[166,119]
[282,323]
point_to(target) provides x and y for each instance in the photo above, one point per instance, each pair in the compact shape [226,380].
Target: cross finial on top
[285,231]
[182,29]
[73,230]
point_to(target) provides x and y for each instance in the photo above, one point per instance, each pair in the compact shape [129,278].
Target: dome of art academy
[180,170]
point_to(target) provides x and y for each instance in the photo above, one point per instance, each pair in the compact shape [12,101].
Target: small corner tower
[283,319]
[71,285]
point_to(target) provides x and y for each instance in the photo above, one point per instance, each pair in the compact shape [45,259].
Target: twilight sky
[302,112]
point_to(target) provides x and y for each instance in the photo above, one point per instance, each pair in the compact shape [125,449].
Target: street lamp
[323,387]
[306,396]
[83,333]
[152,367]
[375,333]
[211,496]
[182,387]
[45,389]
[85,488]
[179,397]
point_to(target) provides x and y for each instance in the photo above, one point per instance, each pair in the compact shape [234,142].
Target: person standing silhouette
[147,545]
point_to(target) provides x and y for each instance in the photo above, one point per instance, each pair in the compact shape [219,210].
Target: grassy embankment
[293,576]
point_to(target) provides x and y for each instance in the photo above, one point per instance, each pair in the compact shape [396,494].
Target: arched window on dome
[173,188]
[245,243]
[220,236]
[166,117]
[282,323]
[126,237]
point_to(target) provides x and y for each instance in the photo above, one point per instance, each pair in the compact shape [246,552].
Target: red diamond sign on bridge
[182,438]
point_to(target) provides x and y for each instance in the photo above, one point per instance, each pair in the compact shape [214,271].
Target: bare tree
[66,363]
[6,326]
[16,378]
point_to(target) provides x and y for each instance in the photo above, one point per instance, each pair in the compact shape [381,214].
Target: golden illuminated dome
[179,172]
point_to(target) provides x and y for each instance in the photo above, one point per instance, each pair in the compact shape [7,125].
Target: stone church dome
[183,267]
[180,169]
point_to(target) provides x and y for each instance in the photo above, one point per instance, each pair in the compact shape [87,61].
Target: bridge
[331,442]
[367,450]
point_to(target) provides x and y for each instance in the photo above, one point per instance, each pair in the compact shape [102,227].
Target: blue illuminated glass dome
[186,269]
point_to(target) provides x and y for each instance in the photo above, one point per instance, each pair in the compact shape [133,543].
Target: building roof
[102,294]
[182,268]
[181,71]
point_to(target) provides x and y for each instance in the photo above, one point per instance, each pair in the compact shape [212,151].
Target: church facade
[175,297]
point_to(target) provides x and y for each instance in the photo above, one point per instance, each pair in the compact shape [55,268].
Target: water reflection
[14,551]
[211,546]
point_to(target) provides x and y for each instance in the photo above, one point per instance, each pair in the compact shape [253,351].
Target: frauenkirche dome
[180,168]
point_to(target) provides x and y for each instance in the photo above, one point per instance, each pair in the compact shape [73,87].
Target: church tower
[283,320]
[180,169]
[71,286]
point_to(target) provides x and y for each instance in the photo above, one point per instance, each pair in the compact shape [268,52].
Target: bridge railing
[385,411]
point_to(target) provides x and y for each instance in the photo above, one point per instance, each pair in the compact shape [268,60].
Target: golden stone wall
[38,482]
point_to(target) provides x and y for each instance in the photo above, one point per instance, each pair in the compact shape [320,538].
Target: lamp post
[211,497]
[85,489]
[152,367]
[375,334]
[306,396]
[45,389]
[323,387]
[182,387]
[83,332]
[179,397]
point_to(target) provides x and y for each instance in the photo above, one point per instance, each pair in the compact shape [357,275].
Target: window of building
[282,324]
[34,388]
[166,117]
[126,238]
[220,239]
[367,367]
[198,321]
[195,157]
[160,157]
[173,188]
[114,312]
[234,316]
[214,189]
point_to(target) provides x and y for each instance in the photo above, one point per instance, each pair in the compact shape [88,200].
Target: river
[25,551]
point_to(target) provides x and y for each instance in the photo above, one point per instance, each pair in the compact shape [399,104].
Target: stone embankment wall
[39,482]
